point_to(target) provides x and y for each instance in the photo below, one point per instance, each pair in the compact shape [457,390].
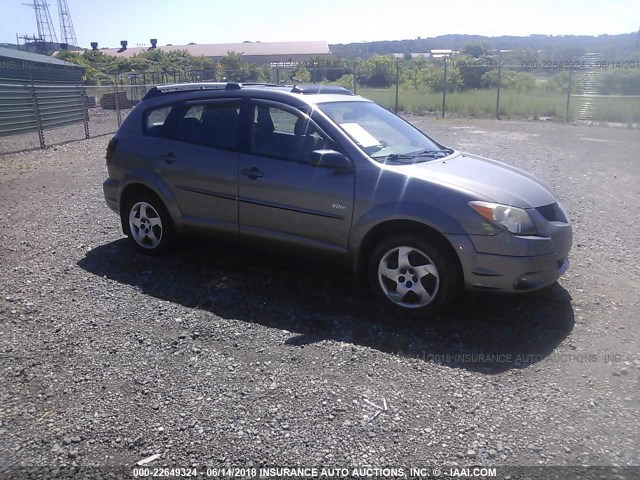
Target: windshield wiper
[431,153]
[399,157]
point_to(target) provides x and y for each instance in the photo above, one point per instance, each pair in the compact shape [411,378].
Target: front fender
[416,212]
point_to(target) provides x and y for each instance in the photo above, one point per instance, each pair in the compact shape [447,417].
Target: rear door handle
[169,157]
[253,173]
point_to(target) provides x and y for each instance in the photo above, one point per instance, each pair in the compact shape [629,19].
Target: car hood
[489,178]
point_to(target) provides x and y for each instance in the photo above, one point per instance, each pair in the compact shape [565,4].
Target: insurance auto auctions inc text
[356,472]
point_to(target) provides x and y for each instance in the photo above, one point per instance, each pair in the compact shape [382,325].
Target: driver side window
[284,134]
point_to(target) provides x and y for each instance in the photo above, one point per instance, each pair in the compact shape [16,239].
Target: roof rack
[310,89]
[314,89]
[250,84]
[185,87]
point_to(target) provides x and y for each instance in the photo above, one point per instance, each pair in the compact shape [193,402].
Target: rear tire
[148,224]
[415,276]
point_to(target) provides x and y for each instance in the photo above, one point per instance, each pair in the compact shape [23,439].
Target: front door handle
[253,173]
[169,158]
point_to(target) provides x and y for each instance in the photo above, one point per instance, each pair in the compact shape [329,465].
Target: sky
[338,21]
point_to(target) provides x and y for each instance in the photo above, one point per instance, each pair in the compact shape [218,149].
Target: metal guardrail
[55,111]
[17,111]
[26,108]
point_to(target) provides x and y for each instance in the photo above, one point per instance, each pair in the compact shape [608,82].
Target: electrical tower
[67,33]
[46,32]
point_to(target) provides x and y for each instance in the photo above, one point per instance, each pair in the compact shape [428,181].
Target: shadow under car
[487,333]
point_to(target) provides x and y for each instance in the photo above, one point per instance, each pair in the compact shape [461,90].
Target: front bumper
[510,273]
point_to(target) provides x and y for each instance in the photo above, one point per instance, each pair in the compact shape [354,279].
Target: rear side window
[211,124]
[154,121]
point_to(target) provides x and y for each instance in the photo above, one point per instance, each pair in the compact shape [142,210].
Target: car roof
[309,94]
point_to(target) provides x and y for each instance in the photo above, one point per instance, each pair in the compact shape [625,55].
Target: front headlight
[514,219]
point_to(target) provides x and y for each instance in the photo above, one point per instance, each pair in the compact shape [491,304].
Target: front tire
[148,224]
[414,276]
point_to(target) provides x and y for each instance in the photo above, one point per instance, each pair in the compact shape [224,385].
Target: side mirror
[330,159]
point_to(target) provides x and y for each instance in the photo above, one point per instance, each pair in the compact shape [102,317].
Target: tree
[97,65]
[233,69]
[475,50]
[620,82]
[472,69]
[301,75]
[428,74]
[379,71]
[345,81]
[519,81]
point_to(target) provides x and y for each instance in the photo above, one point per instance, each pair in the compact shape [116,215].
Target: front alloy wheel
[408,277]
[414,275]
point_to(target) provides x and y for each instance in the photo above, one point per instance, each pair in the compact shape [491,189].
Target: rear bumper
[483,271]
[111,191]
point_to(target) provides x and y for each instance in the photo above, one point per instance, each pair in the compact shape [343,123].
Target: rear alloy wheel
[413,275]
[148,224]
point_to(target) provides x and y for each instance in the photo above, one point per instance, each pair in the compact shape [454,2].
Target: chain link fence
[575,90]
[38,115]
[571,91]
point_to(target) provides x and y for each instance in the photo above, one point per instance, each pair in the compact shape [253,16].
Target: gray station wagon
[327,173]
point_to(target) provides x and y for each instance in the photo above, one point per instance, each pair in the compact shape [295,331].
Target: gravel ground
[219,356]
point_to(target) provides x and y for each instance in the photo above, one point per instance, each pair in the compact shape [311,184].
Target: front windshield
[382,135]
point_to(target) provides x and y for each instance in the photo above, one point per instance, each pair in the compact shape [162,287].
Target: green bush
[518,81]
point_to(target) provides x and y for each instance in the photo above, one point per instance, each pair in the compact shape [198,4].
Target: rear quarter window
[154,121]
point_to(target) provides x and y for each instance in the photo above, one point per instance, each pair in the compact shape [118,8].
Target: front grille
[552,213]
